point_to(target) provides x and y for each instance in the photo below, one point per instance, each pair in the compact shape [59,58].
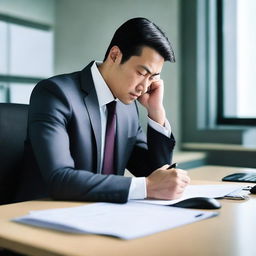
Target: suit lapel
[92,106]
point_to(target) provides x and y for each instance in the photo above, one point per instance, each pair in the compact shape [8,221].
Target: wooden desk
[232,233]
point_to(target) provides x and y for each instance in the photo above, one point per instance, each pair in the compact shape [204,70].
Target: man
[68,136]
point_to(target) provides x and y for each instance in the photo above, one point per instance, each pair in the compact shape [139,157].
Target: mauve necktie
[109,150]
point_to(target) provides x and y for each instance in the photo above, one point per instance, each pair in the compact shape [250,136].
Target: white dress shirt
[138,185]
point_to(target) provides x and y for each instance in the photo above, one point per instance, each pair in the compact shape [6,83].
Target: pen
[199,215]
[174,165]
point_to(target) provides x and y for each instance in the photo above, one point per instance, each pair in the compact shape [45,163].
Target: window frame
[7,79]
[221,118]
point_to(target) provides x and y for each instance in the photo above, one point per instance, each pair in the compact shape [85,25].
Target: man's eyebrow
[147,69]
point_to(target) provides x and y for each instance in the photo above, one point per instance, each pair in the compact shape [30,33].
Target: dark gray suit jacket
[62,150]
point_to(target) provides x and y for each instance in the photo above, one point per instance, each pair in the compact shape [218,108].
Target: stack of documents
[134,219]
[126,221]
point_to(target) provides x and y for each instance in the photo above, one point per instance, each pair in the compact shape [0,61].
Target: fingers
[164,167]
[183,176]
[180,180]
[167,184]
[157,84]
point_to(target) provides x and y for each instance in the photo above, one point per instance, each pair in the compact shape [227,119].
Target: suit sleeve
[49,117]
[150,152]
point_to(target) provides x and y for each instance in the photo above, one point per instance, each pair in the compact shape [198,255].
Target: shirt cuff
[165,130]
[138,188]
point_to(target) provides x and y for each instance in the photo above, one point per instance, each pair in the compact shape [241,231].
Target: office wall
[84,29]
[42,11]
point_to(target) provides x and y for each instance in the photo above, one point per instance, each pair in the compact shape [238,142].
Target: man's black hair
[136,33]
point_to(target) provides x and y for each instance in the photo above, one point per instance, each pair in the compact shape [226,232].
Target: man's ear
[115,54]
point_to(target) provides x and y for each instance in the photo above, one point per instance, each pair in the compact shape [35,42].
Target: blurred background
[209,91]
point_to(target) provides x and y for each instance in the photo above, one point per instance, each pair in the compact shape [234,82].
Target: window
[200,80]
[236,62]
[26,50]
[30,52]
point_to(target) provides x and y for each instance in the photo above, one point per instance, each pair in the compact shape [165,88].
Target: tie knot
[111,106]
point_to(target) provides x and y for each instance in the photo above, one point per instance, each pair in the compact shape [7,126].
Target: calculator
[241,177]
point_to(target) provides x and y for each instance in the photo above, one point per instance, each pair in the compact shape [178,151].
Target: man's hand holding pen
[167,183]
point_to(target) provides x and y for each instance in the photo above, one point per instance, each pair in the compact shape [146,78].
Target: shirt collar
[103,92]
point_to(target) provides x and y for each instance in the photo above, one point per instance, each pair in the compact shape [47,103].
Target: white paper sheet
[212,191]
[126,221]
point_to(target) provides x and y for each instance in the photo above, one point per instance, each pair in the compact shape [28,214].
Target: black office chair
[13,126]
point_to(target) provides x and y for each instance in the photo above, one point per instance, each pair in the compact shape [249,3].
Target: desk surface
[232,233]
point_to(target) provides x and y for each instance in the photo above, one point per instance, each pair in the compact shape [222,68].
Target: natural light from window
[239,40]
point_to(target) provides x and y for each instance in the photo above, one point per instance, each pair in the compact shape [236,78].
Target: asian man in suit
[68,115]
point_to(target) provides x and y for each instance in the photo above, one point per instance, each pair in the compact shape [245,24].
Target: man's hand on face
[152,100]
[167,184]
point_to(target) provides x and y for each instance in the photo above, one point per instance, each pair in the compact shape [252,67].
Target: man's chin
[127,101]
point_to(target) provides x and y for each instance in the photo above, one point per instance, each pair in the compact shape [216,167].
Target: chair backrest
[13,126]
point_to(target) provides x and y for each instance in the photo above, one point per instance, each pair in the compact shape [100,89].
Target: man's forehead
[149,60]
